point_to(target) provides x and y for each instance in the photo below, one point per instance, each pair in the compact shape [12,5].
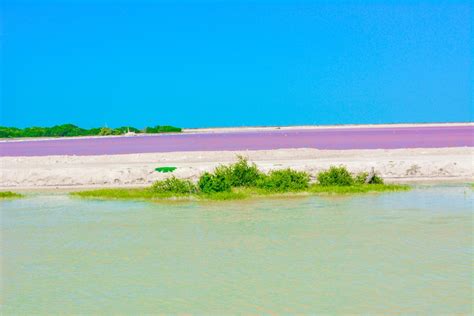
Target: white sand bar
[395,165]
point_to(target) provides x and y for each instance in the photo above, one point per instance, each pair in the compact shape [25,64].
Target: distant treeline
[69,130]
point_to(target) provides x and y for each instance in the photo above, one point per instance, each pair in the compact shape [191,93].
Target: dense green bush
[337,176]
[64,131]
[162,129]
[284,180]
[174,185]
[239,174]
[104,131]
[243,174]
[9,132]
[215,182]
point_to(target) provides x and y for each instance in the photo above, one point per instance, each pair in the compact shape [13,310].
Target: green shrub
[64,130]
[174,185]
[243,174]
[7,132]
[104,131]
[284,180]
[163,129]
[362,177]
[125,129]
[376,180]
[215,182]
[335,176]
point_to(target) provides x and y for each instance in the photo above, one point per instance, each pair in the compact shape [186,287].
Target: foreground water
[407,252]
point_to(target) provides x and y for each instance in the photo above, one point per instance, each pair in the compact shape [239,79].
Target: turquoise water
[407,252]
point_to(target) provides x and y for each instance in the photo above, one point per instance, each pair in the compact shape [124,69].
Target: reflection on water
[402,252]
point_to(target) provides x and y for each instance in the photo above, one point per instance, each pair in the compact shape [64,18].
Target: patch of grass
[149,194]
[224,196]
[10,195]
[242,180]
[357,188]
[124,193]
[236,193]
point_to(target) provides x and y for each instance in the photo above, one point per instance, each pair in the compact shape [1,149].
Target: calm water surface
[408,252]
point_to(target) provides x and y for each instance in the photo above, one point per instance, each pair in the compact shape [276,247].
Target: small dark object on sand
[165,169]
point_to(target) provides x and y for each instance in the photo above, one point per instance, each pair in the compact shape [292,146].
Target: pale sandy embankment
[395,165]
[317,127]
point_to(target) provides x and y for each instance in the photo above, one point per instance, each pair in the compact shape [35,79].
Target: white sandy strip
[395,165]
[318,127]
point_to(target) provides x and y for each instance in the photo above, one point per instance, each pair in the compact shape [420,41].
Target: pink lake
[331,138]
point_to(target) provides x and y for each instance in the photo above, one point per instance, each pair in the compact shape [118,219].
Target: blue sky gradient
[235,63]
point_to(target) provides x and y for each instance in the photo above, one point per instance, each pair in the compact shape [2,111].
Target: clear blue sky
[234,63]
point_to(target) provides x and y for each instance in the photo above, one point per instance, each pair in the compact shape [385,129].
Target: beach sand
[424,165]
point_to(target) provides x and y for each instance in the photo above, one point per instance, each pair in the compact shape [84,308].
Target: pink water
[339,138]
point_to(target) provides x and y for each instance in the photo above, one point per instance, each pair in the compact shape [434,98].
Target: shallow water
[407,252]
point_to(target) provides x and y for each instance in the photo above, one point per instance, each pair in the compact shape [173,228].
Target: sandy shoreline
[318,127]
[423,165]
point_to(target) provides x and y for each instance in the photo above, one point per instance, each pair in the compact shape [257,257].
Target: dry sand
[316,127]
[395,165]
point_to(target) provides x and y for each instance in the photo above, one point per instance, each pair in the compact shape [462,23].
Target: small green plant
[284,180]
[215,182]
[174,185]
[165,169]
[336,176]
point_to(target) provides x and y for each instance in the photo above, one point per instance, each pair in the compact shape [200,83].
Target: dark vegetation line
[242,180]
[70,130]
[10,195]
